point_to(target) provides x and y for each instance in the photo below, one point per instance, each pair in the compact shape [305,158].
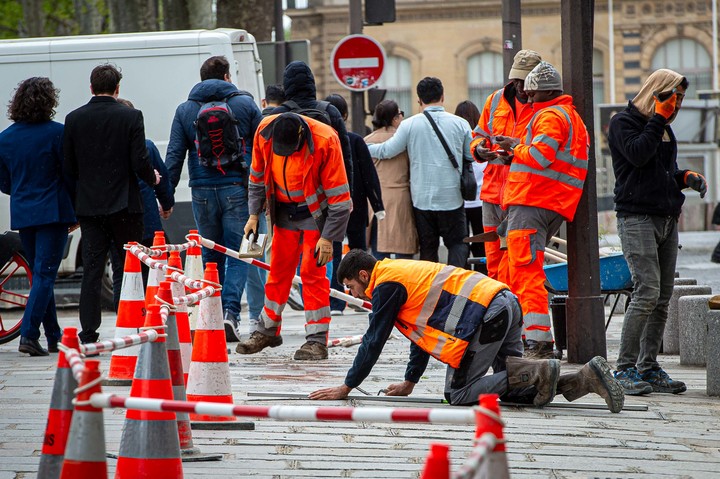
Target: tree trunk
[133,15]
[255,16]
[175,15]
[88,17]
[200,13]
[33,18]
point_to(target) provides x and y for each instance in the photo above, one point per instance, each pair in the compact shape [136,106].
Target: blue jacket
[31,159]
[163,191]
[182,134]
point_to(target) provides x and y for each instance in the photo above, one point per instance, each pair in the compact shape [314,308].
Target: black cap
[286,134]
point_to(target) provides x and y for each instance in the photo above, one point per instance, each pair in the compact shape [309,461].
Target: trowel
[253,245]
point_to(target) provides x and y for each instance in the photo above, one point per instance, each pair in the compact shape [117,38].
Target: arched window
[687,57]
[397,80]
[484,76]
[598,73]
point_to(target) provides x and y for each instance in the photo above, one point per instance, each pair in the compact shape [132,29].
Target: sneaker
[632,383]
[541,350]
[257,342]
[253,324]
[336,312]
[311,351]
[232,327]
[661,382]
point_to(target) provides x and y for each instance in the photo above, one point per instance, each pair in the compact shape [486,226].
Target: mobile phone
[663,96]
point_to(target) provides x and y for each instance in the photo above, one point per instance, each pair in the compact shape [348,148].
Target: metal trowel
[253,245]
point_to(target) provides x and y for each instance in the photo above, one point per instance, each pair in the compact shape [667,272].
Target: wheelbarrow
[615,279]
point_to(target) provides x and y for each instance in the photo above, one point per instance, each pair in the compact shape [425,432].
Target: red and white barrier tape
[74,359]
[293,413]
[119,343]
[484,445]
[345,342]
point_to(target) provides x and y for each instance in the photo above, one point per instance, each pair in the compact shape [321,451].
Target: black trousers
[475,224]
[451,226]
[99,235]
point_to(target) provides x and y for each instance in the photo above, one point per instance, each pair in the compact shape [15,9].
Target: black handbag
[468,183]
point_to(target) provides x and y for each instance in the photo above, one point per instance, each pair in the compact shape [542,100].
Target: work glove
[380,215]
[251,226]
[323,252]
[665,108]
[697,182]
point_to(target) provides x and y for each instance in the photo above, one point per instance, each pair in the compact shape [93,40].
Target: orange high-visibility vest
[498,118]
[445,304]
[550,166]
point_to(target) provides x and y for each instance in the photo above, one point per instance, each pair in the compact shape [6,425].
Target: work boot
[662,383]
[594,377]
[311,351]
[541,350]
[257,342]
[542,374]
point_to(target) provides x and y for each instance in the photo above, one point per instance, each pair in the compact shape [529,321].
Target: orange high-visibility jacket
[445,305]
[550,166]
[314,175]
[498,118]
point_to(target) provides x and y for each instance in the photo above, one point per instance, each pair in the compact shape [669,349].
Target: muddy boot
[311,351]
[595,377]
[257,342]
[541,350]
[542,374]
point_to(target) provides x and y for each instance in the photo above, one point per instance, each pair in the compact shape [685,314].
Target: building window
[484,76]
[598,75]
[397,80]
[690,59]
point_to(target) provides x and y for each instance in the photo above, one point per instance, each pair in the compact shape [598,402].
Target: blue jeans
[256,280]
[220,214]
[650,246]
[44,247]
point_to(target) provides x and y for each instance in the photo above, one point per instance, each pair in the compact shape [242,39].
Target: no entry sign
[357,62]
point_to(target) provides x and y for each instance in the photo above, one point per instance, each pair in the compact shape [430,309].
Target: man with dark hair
[464,319]
[434,181]
[219,196]
[297,175]
[104,148]
[274,97]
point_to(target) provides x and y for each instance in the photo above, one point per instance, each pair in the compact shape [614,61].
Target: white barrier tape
[74,359]
[119,343]
[346,341]
[482,449]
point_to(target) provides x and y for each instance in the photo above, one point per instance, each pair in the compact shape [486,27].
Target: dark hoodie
[299,84]
[182,134]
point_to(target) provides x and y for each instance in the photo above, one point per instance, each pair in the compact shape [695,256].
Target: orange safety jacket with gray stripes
[314,175]
[445,305]
[549,168]
[498,118]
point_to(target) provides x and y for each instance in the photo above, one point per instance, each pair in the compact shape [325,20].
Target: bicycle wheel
[15,281]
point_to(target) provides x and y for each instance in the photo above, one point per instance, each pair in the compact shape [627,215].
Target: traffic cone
[155,275]
[149,446]
[85,451]
[130,318]
[209,376]
[487,419]
[181,317]
[61,411]
[437,464]
[187,450]
[193,269]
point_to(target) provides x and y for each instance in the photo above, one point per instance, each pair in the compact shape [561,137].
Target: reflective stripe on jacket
[314,175]
[445,304]
[499,118]
[550,166]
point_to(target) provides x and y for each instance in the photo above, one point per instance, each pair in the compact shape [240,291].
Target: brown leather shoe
[714,302]
[311,351]
[257,342]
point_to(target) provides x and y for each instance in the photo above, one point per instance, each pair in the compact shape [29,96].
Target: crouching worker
[465,320]
[298,174]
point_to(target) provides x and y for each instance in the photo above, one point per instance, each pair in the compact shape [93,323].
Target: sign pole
[357,98]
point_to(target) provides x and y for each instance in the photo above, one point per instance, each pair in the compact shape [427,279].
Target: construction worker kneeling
[465,320]
[298,174]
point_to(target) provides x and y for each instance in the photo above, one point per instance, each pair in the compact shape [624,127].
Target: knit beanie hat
[523,62]
[544,77]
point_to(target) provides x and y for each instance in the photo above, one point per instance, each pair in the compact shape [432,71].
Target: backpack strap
[322,105]
[292,105]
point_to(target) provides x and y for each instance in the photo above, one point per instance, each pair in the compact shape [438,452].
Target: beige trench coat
[396,233]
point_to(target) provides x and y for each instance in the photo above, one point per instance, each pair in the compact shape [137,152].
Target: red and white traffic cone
[194,270]
[155,275]
[487,417]
[437,464]
[130,318]
[61,411]
[181,316]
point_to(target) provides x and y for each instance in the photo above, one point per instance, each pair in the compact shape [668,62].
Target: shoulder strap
[322,105]
[291,105]
[450,155]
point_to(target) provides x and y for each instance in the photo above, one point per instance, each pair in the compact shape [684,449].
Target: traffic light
[378,12]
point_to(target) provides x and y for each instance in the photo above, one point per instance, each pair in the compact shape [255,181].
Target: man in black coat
[104,147]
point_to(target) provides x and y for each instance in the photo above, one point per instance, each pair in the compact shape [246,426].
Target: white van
[159,69]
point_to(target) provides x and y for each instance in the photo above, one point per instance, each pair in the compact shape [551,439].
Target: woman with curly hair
[40,203]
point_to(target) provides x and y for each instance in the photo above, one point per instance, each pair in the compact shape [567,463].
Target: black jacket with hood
[299,84]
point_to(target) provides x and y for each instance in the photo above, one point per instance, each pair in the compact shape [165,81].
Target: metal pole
[611,47]
[584,305]
[280,57]
[511,33]
[715,45]
[357,99]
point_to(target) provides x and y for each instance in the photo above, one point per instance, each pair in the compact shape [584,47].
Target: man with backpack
[215,129]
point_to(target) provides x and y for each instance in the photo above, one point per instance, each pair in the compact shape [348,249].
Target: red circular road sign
[357,62]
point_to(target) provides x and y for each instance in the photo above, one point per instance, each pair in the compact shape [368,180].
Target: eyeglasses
[401,113]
